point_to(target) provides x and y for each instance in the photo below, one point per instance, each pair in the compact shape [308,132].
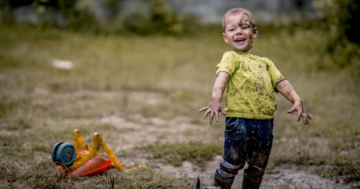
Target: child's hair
[235,11]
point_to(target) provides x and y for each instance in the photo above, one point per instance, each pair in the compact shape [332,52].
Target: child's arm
[288,91]
[215,105]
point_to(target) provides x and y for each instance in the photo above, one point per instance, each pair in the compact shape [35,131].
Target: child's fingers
[211,117]
[223,111]
[291,110]
[206,113]
[217,116]
[203,109]
[309,116]
[299,116]
[306,118]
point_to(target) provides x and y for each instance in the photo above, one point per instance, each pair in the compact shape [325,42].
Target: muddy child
[250,83]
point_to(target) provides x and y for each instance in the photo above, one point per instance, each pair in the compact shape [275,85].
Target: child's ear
[225,38]
[255,32]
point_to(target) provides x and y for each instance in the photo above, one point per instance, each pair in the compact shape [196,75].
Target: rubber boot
[252,178]
[222,184]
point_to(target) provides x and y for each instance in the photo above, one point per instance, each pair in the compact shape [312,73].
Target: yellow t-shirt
[250,89]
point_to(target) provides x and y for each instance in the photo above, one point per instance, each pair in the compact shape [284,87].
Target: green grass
[168,78]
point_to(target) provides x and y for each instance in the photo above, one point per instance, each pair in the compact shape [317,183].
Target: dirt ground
[282,177]
[134,130]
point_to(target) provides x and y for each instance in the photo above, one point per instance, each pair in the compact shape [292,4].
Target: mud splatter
[233,153]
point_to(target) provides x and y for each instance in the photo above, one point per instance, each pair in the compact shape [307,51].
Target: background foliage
[340,20]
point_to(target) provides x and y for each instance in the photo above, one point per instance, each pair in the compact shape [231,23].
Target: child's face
[239,33]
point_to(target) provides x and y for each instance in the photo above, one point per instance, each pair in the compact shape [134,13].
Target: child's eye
[231,29]
[245,27]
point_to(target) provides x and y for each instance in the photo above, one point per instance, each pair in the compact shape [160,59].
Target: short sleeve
[275,74]
[227,64]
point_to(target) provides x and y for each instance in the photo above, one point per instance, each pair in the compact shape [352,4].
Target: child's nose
[239,31]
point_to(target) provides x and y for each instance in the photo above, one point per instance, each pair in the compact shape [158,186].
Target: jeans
[246,140]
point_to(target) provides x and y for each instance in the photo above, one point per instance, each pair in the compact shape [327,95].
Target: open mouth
[240,40]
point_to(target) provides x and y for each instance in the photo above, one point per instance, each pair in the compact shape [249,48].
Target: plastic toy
[95,165]
[71,157]
[63,153]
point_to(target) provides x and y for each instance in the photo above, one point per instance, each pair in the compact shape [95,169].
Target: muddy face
[239,32]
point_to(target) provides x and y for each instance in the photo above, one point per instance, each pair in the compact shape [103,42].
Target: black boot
[223,183]
[252,178]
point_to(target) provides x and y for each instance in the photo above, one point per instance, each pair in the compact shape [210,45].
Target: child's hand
[213,109]
[215,105]
[288,91]
[298,107]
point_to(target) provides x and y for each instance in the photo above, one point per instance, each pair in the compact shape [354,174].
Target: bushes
[340,20]
[157,18]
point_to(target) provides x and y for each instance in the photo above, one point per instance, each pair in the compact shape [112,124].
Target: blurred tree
[352,30]
[342,14]
[299,4]
[112,7]
[61,4]
[340,18]
[160,19]
[64,5]
[18,3]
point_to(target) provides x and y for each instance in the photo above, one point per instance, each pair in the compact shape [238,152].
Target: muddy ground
[158,130]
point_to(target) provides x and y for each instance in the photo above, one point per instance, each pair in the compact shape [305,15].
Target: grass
[41,175]
[195,152]
[17,174]
[139,78]
[145,178]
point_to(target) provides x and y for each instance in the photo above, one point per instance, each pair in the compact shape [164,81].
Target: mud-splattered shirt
[250,89]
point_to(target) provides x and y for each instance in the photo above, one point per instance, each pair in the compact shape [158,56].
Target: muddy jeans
[247,140]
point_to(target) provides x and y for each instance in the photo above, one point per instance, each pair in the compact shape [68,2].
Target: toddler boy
[250,81]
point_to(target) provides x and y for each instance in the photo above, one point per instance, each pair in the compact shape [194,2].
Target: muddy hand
[213,109]
[298,107]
